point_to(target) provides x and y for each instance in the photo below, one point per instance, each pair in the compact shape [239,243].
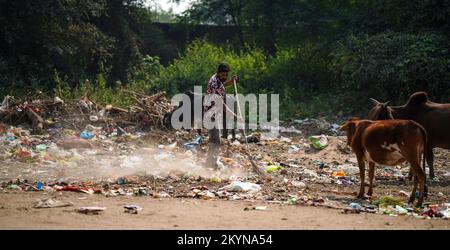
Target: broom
[255,167]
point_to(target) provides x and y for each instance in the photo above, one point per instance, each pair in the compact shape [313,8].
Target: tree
[218,12]
[407,16]
[393,65]
[268,22]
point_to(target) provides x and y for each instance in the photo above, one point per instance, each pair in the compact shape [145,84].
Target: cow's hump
[417,98]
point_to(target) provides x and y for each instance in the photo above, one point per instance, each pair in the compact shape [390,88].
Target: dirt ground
[145,164]
[16,212]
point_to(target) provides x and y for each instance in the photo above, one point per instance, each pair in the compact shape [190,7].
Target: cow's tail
[425,145]
[425,150]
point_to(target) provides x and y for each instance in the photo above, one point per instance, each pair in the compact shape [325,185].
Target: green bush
[301,76]
[193,68]
[298,74]
[200,62]
[145,76]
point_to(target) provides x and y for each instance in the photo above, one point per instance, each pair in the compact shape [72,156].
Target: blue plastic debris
[86,135]
[121,181]
[196,142]
[355,206]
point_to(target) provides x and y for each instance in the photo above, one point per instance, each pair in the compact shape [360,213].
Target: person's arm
[230,82]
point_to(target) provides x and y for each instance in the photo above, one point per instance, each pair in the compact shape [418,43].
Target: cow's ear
[374,102]
[349,126]
[345,126]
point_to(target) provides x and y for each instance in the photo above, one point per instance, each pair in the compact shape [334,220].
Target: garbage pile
[312,126]
[41,112]
[81,135]
[60,146]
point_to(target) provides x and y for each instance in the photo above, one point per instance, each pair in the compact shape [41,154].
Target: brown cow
[434,117]
[389,143]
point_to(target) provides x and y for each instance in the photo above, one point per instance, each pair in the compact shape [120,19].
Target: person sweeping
[216,89]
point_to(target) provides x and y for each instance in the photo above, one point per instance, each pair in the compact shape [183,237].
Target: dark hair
[223,67]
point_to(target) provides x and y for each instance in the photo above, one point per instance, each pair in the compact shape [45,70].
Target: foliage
[392,65]
[323,57]
[200,62]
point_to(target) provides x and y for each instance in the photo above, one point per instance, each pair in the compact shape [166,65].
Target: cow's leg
[410,175]
[413,192]
[362,173]
[199,132]
[430,159]
[371,177]
[414,158]
[419,180]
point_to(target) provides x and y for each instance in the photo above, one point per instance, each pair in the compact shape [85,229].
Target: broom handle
[255,167]
[240,112]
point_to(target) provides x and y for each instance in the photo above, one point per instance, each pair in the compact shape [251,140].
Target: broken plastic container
[319,142]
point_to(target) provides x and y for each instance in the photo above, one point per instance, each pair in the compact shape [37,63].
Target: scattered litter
[293,149]
[91,210]
[41,147]
[292,200]
[93,118]
[389,201]
[205,195]
[162,195]
[273,168]
[195,143]
[216,179]
[354,208]
[299,184]
[403,193]
[50,203]
[253,138]
[237,186]
[68,144]
[86,135]
[285,139]
[318,142]
[14,187]
[257,208]
[335,128]
[338,174]
[132,209]
[40,186]
[349,169]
